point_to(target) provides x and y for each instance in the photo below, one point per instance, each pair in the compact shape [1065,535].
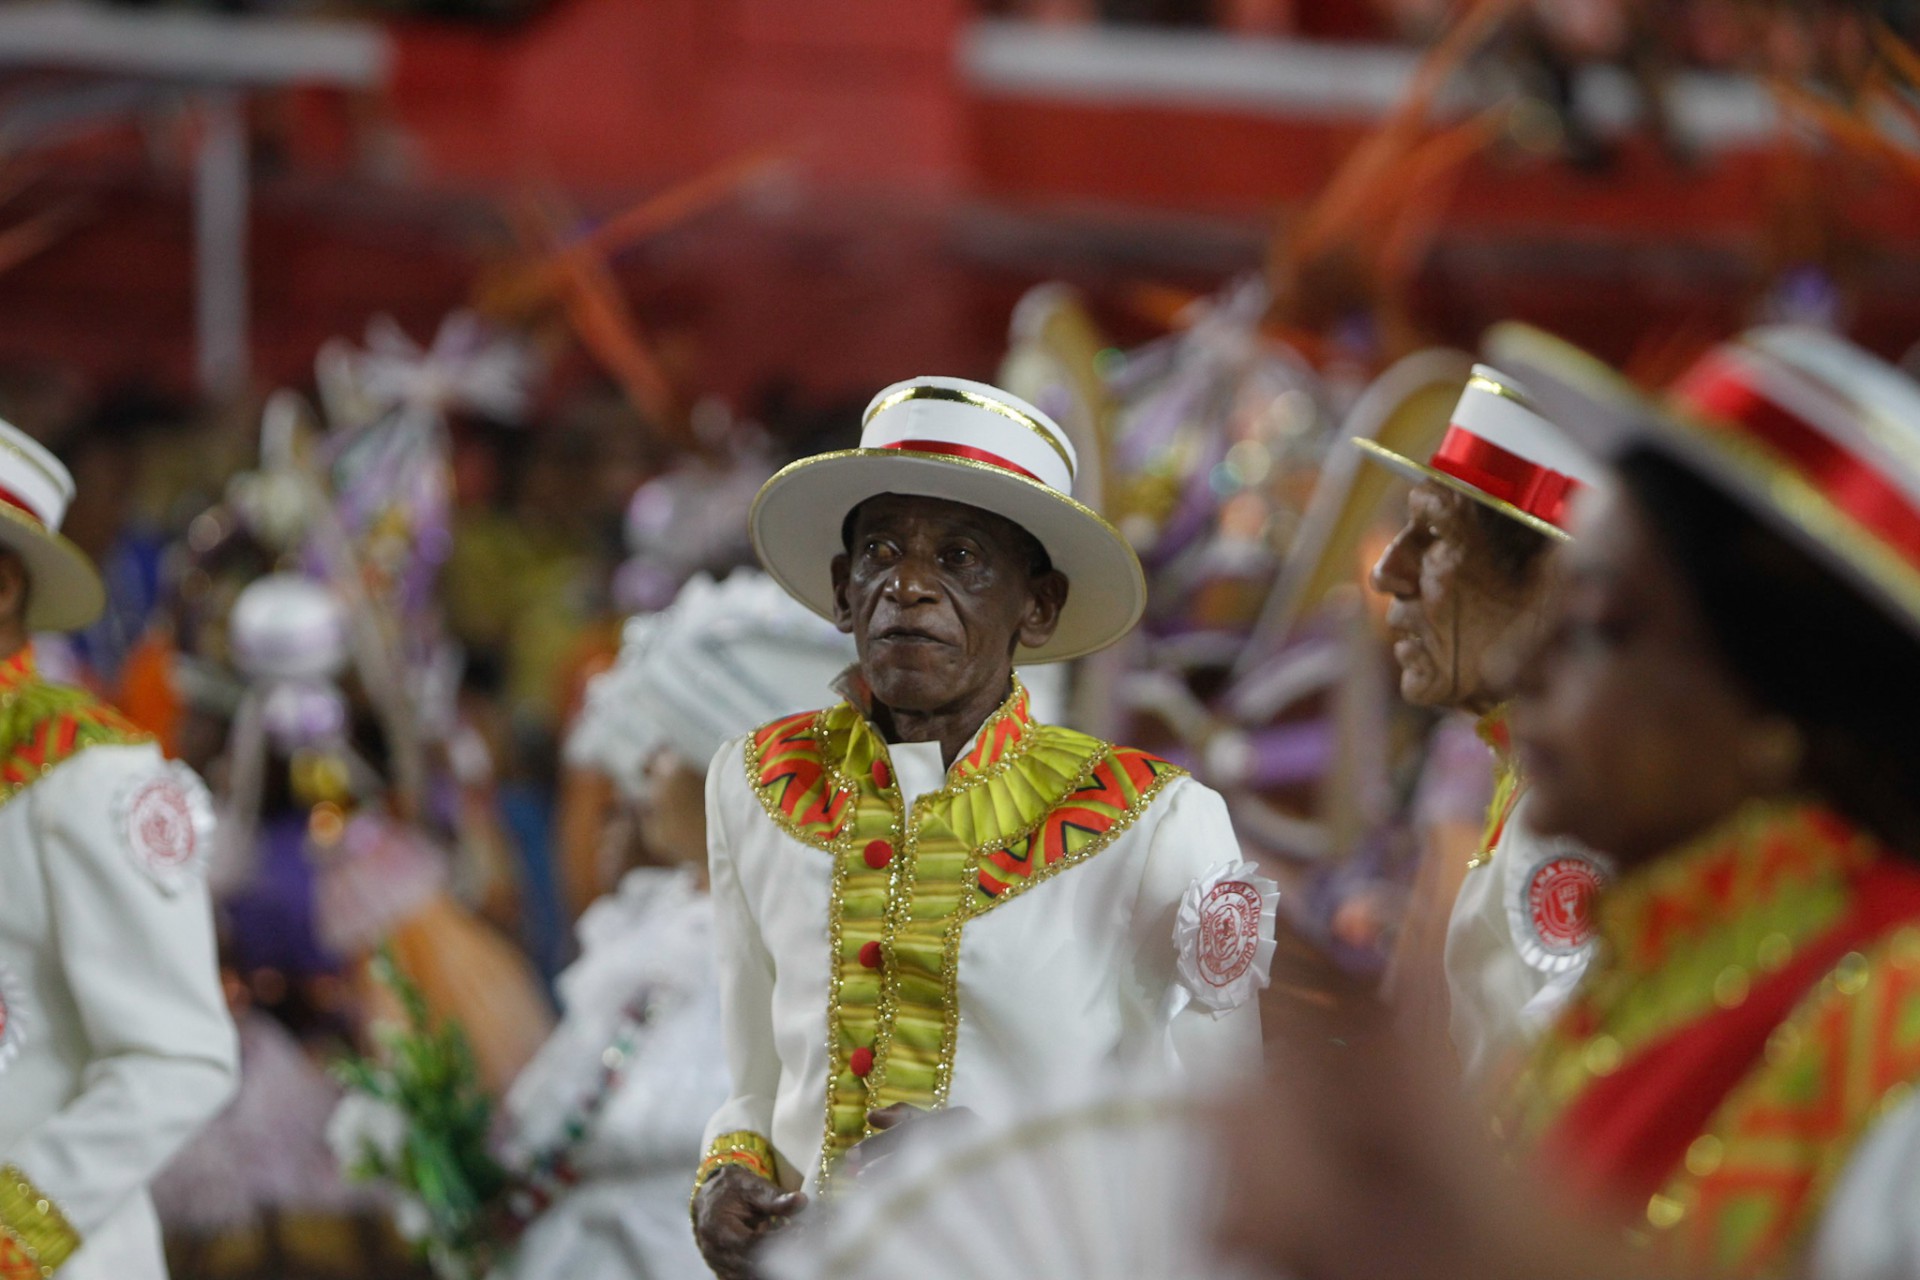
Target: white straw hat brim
[795,524]
[64,592]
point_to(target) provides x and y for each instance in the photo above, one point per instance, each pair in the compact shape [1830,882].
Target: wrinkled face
[1629,725]
[937,595]
[1453,617]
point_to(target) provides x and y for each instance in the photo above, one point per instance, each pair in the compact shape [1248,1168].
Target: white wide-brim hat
[1813,435]
[965,442]
[64,592]
[1501,452]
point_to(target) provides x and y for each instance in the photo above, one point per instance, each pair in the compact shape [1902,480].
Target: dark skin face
[1454,617]
[1632,731]
[938,596]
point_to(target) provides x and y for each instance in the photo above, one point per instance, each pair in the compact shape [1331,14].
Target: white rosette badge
[1223,935]
[166,819]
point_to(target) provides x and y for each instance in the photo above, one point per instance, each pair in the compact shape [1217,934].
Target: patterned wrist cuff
[32,1228]
[747,1149]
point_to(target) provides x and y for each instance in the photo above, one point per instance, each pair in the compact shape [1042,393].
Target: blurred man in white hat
[1469,581]
[924,896]
[115,1044]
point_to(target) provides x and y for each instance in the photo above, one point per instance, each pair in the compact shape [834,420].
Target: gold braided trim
[954,395]
[860,904]
[934,894]
[1493,386]
[33,1222]
[743,1148]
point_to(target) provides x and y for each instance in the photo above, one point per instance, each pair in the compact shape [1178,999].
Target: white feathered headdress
[723,659]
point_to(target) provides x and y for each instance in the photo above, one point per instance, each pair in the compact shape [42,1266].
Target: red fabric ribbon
[14,500]
[964,451]
[1539,491]
[1719,390]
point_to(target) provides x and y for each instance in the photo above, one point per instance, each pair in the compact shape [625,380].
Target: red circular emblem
[1229,931]
[160,826]
[1560,903]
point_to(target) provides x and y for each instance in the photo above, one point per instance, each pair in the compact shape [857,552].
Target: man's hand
[733,1212]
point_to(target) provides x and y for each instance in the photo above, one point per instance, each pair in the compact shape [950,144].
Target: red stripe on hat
[14,500]
[964,451]
[1720,390]
[1539,491]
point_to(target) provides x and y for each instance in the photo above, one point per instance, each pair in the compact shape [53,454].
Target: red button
[860,1061]
[881,775]
[878,853]
[870,955]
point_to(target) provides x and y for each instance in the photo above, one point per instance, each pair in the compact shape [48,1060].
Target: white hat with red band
[63,591]
[965,442]
[1811,433]
[1501,453]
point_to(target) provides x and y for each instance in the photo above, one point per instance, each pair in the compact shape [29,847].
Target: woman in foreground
[1727,707]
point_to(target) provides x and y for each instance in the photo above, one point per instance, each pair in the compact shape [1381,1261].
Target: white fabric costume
[1518,942]
[641,995]
[1871,1228]
[117,1045]
[1050,988]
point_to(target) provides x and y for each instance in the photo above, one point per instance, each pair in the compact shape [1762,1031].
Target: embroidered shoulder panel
[45,725]
[788,773]
[1115,787]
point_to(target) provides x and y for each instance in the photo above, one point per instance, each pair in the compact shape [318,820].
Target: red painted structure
[917,204]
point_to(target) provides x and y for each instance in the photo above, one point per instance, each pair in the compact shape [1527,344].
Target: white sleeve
[136,945]
[745,967]
[1192,839]
[1871,1228]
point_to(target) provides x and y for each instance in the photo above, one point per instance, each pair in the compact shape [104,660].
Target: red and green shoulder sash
[1755,1010]
[44,725]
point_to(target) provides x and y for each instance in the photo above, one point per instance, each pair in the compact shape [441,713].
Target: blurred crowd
[453,629]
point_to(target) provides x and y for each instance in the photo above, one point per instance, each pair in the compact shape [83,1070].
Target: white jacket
[1518,942]
[1052,987]
[117,1045]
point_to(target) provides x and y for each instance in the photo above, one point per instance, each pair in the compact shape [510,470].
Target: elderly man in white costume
[115,1044]
[925,897]
[1469,578]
